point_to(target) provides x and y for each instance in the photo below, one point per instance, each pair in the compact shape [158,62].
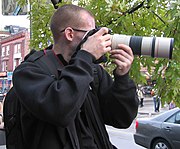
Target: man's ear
[69,33]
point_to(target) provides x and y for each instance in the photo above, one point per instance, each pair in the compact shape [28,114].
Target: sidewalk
[148,108]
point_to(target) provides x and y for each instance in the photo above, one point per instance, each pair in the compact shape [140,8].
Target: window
[177,119]
[17,48]
[7,50]
[10,7]
[174,119]
[4,66]
[3,51]
[16,62]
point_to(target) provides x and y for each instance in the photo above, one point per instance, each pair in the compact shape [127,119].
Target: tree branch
[159,17]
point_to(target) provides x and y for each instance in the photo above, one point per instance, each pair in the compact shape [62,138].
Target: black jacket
[49,105]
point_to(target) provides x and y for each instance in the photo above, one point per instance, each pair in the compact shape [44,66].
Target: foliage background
[131,17]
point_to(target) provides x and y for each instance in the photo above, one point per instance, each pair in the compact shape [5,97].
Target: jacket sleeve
[118,100]
[56,101]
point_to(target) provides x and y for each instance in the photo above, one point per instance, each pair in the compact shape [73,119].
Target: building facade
[12,52]
[14,39]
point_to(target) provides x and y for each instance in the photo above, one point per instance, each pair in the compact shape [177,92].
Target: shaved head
[68,16]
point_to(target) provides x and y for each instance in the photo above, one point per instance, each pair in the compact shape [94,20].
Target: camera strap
[90,33]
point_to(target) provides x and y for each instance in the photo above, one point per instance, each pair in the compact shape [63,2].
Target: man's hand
[99,43]
[123,58]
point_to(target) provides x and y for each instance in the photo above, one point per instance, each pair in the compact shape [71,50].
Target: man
[156,100]
[69,111]
[141,96]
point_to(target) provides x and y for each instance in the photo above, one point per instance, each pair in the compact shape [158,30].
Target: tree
[133,17]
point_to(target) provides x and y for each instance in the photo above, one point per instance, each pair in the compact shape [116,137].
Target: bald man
[70,111]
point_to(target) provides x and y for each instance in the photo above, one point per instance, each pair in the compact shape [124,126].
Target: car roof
[163,116]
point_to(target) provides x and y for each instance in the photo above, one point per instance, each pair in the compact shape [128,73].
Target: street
[123,139]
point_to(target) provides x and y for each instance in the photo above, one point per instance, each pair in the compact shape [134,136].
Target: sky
[20,20]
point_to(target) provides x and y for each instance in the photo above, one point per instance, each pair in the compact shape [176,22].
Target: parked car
[159,132]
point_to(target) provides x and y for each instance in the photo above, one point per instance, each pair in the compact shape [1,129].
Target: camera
[160,47]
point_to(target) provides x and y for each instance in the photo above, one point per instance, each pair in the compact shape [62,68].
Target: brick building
[13,42]
[12,52]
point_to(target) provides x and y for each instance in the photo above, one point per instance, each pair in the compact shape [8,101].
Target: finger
[123,60]
[108,43]
[102,31]
[125,48]
[121,54]
[118,57]
[119,64]
[122,65]
[106,37]
[107,49]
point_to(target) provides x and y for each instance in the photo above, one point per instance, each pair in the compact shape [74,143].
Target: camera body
[160,47]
